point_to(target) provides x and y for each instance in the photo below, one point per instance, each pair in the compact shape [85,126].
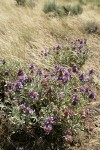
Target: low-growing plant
[29,3]
[75,53]
[82,2]
[66,9]
[77,9]
[92,28]
[44,109]
[72,10]
[50,6]
[21,2]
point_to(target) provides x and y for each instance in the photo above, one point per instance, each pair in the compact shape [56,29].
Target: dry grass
[25,32]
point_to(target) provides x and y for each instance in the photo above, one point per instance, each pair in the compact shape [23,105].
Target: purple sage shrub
[48,105]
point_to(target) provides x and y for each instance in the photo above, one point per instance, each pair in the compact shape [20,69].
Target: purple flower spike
[6,73]
[81,46]
[23,107]
[39,72]
[57,67]
[18,85]
[10,86]
[74,68]
[26,109]
[83,89]
[27,79]
[50,120]
[92,95]
[91,71]
[74,103]
[34,95]
[87,79]
[47,129]
[20,72]
[57,47]
[68,112]
[81,76]
[31,66]
[29,110]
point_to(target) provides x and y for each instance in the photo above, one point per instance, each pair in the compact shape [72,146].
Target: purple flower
[34,95]
[54,78]
[50,120]
[75,97]
[81,76]
[57,48]
[57,67]
[39,72]
[83,89]
[92,95]
[10,86]
[74,103]
[87,79]
[74,68]
[81,46]
[78,51]
[68,112]
[68,132]
[64,71]
[26,109]
[47,129]
[27,79]
[81,41]
[64,75]
[20,72]
[22,106]
[31,66]
[6,73]
[91,71]
[18,85]
[29,110]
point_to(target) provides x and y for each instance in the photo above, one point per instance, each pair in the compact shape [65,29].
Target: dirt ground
[90,139]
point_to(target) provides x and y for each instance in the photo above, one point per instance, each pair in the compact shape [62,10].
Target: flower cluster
[49,121]
[87,90]
[33,94]
[24,107]
[55,99]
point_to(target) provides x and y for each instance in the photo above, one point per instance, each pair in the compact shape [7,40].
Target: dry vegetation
[25,32]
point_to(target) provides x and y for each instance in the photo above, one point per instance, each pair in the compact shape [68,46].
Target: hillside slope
[25,32]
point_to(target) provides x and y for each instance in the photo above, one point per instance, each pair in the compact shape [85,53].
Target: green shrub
[21,2]
[50,6]
[66,9]
[77,9]
[44,110]
[92,28]
[72,10]
[29,3]
[82,2]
